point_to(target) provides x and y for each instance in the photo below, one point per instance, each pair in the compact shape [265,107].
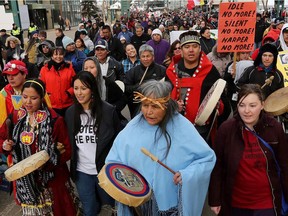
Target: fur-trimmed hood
[12,38]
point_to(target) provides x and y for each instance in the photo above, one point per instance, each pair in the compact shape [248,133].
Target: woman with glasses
[44,53]
[57,75]
[175,49]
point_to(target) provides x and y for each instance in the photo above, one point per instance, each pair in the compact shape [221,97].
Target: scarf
[31,190]
[266,69]
[56,65]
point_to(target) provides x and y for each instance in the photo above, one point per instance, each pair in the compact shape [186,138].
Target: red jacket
[58,85]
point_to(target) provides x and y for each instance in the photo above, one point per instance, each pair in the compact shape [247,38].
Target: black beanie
[267,48]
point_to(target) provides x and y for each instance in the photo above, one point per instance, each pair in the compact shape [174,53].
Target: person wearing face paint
[264,67]
[34,128]
[244,180]
[57,76]
[196,75]
[175,142]
[92,126]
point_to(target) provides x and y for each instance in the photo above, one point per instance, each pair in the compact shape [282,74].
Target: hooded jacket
[272,35]
[109,90]
[219,60]
[127,34]
[280,43]
[43,58]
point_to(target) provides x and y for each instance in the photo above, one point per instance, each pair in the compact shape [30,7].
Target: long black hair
[95,106]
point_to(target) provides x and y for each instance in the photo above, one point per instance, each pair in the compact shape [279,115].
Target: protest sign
[236,28]
[282,65]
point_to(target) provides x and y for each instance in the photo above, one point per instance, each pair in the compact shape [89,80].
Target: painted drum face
[124,184]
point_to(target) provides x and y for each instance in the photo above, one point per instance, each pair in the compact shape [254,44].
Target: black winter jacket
[108,130]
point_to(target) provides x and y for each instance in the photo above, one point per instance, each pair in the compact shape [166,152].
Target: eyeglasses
[45,47]
[177,48]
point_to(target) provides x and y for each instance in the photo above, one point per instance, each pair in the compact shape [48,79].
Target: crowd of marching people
[67,97]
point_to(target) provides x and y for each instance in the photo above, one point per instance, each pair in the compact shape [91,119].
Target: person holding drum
[264,71]
[192,75]
[92,125]
[46,190]
[173,139]
[245,179]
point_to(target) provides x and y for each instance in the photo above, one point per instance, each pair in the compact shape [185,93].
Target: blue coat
[77,58]
[189,154]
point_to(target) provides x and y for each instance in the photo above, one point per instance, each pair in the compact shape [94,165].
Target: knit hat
[83,31]
[189,38]
[14,67]
[33,33]
[124,26]
[156,31]
[102,44]
[80,24]
[279,20]
[271,36]
[266,48]
[66,41]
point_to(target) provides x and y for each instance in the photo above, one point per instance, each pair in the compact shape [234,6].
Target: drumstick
[143,76]
[268,81]
[234,65]
[154,158]
[9,132]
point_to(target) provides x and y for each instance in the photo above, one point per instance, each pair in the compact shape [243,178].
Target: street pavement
[7,203]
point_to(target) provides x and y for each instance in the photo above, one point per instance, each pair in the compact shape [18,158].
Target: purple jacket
[160,50]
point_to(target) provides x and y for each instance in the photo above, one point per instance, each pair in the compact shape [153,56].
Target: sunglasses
[177,48]
[45,47]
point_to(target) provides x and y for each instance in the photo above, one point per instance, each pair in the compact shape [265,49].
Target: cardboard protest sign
[236,28]
[282,65]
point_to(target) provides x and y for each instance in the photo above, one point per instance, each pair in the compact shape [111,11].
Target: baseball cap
[14,67]
[102,44]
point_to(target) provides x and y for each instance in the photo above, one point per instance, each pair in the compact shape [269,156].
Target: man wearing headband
[192,75]
[10,96]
